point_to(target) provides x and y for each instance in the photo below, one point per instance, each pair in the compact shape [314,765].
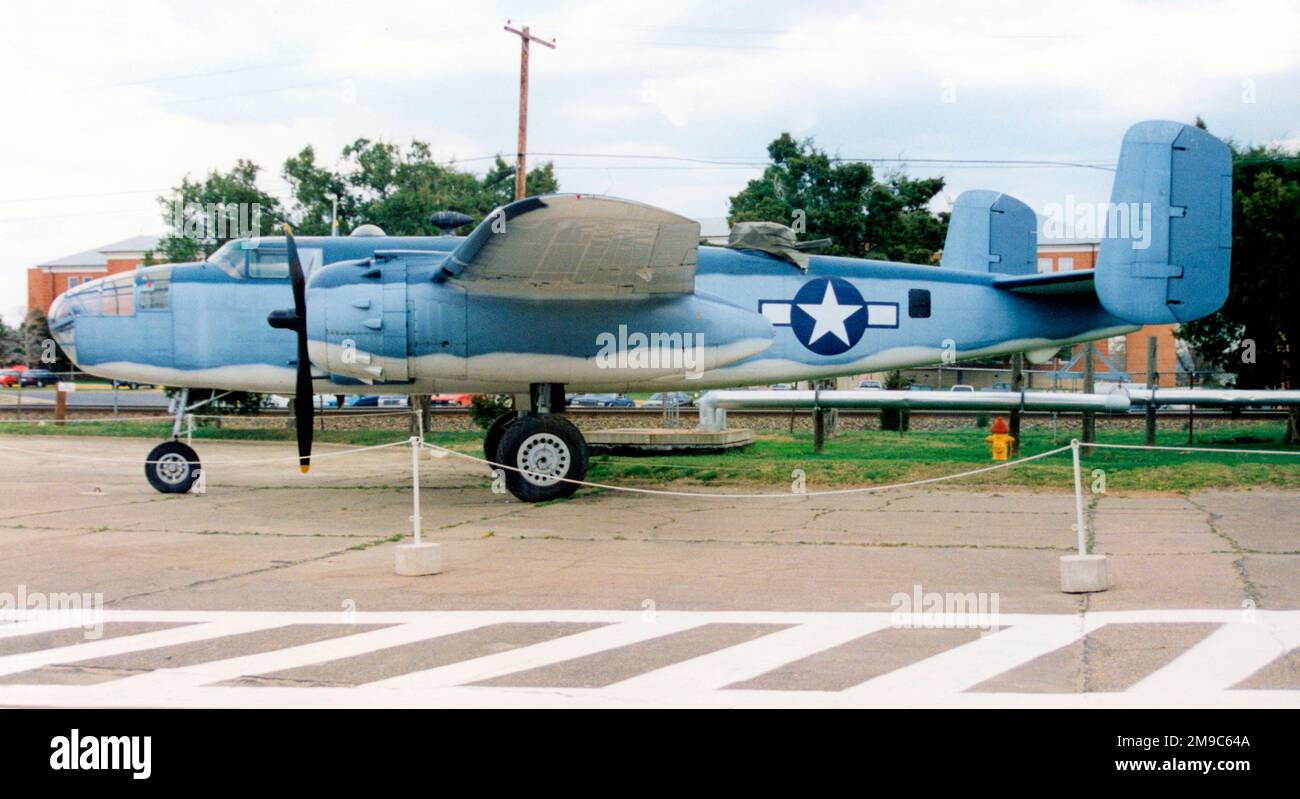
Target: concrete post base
[414,560]
[1084,574]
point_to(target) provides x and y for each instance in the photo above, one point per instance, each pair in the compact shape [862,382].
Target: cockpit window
[153,288]
[230,258]
[268,263]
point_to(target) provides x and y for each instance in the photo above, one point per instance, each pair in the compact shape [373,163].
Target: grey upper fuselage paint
[213,330]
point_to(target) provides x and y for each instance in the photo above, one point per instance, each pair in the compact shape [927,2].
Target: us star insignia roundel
[828,316]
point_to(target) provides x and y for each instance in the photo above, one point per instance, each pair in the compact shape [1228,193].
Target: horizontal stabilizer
[1077,282]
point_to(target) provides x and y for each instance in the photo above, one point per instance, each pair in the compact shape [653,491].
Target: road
[273,588]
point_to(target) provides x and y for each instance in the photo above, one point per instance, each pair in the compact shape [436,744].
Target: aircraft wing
[1077,282]
[577,246]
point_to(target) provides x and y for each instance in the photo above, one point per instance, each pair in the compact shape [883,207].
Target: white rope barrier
[752,495]
[1219,450]
[238,462]
[101,419]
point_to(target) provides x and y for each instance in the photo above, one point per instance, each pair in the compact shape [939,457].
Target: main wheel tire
[492,436]
[172,467]
[546,451]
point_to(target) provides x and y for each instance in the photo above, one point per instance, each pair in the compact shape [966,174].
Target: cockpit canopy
[261,258]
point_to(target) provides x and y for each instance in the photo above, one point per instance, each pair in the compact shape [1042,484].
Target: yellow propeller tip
[305,468]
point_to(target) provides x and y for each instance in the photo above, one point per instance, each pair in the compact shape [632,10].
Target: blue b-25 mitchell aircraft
[571,293]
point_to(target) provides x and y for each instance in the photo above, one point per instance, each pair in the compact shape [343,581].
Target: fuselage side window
[918,303]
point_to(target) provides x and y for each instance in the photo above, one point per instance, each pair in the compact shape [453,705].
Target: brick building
[48,280]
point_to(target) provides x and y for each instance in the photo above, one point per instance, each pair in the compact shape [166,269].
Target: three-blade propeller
[296,320]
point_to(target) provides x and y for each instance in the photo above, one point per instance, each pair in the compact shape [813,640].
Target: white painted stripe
[105,647]
[778,313]
[1225,657]
[482,697]
[750,659]
[545,653]
[879,315]
[292,657]
[967,665]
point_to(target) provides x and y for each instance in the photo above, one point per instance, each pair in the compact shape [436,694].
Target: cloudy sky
[108,105]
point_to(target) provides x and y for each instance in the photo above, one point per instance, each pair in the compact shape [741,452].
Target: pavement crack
[1248,586]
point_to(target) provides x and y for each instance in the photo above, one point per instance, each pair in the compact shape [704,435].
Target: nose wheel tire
[172,467]
[546,451]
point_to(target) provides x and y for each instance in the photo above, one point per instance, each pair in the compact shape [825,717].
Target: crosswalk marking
[1203,675]
[1224,658]
[748,660]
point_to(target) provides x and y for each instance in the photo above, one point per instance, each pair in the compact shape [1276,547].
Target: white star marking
[829,317]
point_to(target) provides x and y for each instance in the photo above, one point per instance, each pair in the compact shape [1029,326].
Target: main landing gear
[173,467]
[541,448]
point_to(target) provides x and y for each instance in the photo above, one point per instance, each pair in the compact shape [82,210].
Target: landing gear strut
[543,448]
[173,467]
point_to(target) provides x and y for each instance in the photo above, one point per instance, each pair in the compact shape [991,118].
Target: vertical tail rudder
[1168,246]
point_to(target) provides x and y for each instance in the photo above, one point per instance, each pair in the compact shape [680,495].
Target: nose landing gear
[173,467]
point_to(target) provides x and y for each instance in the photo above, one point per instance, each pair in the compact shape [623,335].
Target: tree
[201,216]
[380,183]
[1252,337]
[36,347]
[863,217]
[10,348]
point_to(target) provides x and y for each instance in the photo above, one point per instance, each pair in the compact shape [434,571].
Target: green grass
[872,457]
[855,458]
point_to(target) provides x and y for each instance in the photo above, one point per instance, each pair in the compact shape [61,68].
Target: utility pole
[1089,385]
[521,169]
[1017,385]
[1152,379]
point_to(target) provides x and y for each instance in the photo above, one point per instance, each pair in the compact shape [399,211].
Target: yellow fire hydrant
[1000,439]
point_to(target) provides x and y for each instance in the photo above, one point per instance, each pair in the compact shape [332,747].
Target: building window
[1044,264]
[1065,264]
[73,281]
[918,303]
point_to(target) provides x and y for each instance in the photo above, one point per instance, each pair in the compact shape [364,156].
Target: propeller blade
[303,405]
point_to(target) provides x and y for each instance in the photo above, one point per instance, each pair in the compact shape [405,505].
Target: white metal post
[1078,497]
[189,429]
[415,487]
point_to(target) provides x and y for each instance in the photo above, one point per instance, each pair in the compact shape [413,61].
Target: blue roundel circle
[828,315]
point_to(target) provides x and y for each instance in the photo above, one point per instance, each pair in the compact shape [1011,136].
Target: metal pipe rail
[714,404]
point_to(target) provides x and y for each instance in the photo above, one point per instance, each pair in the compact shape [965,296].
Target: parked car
[920,387]
[679,398]
[601,401]
[962,387]
[10,377]
[451,400]
[128,384]
[379,401]
[39,378]
[997,387]
[870,385]
[782,386]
